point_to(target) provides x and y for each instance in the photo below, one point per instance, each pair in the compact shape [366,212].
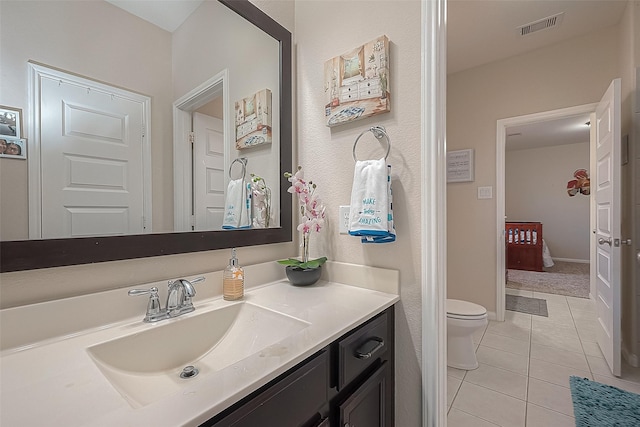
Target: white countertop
[56,382]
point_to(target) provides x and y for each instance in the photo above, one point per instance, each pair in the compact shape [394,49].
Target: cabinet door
[369,405]
[292,402]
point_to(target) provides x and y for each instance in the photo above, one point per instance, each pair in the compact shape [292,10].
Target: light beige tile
[478,334]
[503,343]
[592,349]
[453,384]
[599,366]
[633,387]
[544,326]
[557,341]
[490,405]
[586,333]
[503,359]
[550,396]
[458,418]
[537,416]
[629,373]
[559,356]
[509,329]
[517,318]
[455,372]
[521,292]
[583,316]
[581,304]
[499,380]
[551,298]
[554,373]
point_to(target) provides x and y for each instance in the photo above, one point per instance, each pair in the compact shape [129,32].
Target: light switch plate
[343,219]
[485,192]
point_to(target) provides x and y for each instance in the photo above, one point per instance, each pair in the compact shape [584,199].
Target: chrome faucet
[178,299]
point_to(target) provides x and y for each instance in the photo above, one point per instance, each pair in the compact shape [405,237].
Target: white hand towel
[237,205]
[370,214]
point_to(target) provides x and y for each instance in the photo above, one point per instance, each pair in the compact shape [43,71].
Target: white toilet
[463,319]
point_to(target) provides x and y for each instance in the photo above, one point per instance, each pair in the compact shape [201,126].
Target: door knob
[626,242]
[602,241]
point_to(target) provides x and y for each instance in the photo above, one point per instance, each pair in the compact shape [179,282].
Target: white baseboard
[581,261]
[632,359]
[491,315]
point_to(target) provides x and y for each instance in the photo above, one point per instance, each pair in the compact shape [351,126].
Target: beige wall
[323,31]
[40,31]
[567,74]
[535,190]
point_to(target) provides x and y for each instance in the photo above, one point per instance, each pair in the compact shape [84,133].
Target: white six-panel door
[208,172]
[92,163]
[608,210]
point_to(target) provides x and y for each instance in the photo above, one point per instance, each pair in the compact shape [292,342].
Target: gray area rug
[527,305]
[564,278]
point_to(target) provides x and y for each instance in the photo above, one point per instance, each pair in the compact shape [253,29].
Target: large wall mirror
[221,72]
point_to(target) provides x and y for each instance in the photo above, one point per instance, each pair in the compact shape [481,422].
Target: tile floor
[525,364]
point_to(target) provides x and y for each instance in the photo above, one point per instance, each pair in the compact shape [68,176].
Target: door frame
[182,126]
[501,136]
[38,71]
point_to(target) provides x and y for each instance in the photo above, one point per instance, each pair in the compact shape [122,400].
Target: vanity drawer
[360,349]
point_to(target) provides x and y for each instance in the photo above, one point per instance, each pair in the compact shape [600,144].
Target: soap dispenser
[233,279]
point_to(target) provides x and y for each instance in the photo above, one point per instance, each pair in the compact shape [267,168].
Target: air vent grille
[541,24]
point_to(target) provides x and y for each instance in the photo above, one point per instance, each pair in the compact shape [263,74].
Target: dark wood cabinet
[347,384]
[368,406]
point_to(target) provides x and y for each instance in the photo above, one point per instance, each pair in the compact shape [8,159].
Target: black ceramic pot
[303,276]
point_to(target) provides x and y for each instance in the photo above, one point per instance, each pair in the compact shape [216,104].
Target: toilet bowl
[463,319]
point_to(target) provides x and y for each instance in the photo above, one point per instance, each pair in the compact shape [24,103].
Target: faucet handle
[154,311]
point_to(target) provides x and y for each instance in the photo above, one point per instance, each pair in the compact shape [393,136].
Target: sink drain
[189,372]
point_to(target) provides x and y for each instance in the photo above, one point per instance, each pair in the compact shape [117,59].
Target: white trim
[36,73]
[182,125]
[579,261]
[434,218]
[632,359]
[501,128]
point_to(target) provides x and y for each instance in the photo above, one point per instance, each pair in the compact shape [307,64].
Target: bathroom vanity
[302,356]
[349,382]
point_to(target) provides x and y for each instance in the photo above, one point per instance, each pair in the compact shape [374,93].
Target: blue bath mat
[601,405]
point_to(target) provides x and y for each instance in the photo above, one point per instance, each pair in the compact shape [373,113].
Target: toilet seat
[465,310]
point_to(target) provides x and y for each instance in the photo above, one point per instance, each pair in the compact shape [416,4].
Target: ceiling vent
[541,24]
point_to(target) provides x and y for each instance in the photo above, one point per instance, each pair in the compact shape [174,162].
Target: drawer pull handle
[366,350]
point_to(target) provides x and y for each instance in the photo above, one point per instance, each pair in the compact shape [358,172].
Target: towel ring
[379,132]
[243,161]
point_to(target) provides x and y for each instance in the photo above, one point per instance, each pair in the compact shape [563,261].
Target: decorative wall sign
[253,120]
[356,83]
[460,166]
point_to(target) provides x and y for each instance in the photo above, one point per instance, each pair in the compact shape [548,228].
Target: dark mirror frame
[35,254]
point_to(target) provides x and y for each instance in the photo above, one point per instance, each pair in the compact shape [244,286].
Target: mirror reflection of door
[91,149]
[208,171]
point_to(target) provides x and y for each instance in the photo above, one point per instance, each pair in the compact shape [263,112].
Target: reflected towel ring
[243,161]
[379,132]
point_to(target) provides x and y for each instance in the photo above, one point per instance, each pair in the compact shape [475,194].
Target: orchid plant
[313,217]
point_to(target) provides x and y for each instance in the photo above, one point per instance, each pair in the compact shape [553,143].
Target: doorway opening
[212,95]
[507,129]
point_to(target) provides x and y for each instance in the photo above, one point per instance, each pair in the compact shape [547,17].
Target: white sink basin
[146,366]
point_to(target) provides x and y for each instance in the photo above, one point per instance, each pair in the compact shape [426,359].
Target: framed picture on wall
[356,83]
[15,148]
[10,122]
[460,167]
